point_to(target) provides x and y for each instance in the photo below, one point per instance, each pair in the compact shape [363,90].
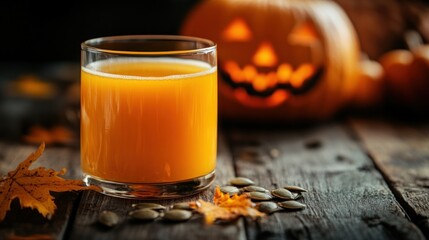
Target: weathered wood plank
[85,225]
[401,152]
[27,222]
[347,198]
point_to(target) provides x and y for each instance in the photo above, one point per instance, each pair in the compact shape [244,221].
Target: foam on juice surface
[102,68]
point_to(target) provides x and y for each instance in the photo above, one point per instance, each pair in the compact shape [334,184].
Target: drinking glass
[149,115]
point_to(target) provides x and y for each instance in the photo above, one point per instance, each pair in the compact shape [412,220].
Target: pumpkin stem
[413,39]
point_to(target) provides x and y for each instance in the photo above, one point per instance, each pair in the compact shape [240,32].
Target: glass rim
[89,45]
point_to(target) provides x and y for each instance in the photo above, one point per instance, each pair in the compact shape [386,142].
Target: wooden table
[367,178]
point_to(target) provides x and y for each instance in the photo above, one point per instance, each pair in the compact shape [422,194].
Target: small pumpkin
[279,60]
[407,74]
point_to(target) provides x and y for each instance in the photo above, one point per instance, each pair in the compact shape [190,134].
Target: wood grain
[347,197]
[401,152]
[27,222]
[85,225]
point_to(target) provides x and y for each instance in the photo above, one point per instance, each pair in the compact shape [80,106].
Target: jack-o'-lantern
[279,59]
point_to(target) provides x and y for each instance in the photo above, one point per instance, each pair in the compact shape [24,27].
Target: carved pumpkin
[279,59]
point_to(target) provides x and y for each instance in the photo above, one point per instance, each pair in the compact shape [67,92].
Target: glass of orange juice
[149,115]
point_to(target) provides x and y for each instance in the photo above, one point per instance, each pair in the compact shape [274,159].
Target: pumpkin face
[264,72]
[279,60]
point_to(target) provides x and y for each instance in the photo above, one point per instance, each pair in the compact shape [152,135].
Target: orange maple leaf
[33,187]
[226,207]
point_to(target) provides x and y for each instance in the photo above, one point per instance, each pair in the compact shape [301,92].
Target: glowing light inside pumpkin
[265,55]
[304,34]
[284,71]
[264,81]
[301,74]
[234,71]
[278,97]
[261,81]
[237,30]
[249,72]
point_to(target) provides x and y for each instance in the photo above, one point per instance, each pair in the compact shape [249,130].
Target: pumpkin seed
[153,206]
[295,188]
[241,181]
[282,193]
[177,215]
[183,205]
[231,190]
[274,153]
[292,205]
[253,188]
[267,207]
[258,196]
[108,218]
[144,214]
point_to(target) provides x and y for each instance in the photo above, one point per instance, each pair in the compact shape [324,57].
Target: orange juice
[148,121]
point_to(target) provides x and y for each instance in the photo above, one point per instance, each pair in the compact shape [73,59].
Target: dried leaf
[212,212]
[57,134]
[32,86]
[227,208]
[31,237]
[33,187]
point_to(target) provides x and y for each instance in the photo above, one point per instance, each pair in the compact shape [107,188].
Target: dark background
[34,31]
[39,32]
[40,42]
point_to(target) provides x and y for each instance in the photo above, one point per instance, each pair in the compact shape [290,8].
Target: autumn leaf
[33,187]
[226,208]
[32,86]
[55,135]
[31,237]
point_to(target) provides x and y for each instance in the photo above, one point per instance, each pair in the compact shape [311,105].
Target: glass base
[151,190]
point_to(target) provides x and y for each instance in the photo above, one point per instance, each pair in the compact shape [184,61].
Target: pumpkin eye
[303,34]
[237,30]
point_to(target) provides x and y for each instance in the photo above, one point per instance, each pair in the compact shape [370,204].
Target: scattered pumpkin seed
[182,205]
[295,188]
[259,196]
[177,215]
[108,218]
[292,205]
[282,193]
[254,188]
[144,214]
[153,206]
[274,153]
[231,190]
[241,181]
[267,207]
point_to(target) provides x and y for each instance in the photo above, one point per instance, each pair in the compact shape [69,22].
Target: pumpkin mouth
[269,86]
